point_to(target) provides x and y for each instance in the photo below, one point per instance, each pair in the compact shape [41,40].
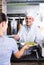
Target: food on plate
[31,43]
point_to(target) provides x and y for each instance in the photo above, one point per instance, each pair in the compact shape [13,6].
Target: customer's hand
[26,46]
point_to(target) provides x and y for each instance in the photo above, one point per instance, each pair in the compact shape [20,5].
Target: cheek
[5,27]
[30,23]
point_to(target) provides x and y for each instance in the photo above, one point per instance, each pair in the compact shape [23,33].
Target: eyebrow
[28,18]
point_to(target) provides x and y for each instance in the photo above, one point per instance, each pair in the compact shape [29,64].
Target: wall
[4,6]
[20,8]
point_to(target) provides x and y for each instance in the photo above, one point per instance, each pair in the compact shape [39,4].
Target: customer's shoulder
[9,39]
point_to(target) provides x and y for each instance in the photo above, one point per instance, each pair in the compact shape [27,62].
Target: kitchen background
[16,10]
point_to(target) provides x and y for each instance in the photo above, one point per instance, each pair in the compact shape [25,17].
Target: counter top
[27,59]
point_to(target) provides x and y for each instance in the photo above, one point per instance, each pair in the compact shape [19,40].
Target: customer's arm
[18,54]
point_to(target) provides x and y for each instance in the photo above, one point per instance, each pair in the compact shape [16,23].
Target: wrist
[24,47]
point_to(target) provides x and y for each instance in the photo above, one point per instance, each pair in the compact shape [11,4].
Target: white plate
[23,43]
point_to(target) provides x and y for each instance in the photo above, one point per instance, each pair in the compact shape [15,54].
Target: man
[7,45]
[30,32]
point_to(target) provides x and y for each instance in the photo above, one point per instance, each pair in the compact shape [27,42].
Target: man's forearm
[20,53]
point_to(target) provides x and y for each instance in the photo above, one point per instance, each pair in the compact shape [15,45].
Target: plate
[23,43]
[31,43]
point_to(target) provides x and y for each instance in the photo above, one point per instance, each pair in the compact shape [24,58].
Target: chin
[28,24]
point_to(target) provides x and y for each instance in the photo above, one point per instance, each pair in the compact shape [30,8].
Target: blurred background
[16,10]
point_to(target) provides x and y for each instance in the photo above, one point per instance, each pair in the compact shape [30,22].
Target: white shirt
[30,34]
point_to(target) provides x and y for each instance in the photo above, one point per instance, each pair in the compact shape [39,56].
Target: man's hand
[16,37]
[26,46]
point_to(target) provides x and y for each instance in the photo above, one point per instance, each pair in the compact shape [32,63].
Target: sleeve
[38,36]
[20,33]
[14,46]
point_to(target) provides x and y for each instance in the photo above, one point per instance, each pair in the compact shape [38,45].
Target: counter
[27,60]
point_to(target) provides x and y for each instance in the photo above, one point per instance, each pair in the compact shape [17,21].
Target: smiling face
[29,20]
